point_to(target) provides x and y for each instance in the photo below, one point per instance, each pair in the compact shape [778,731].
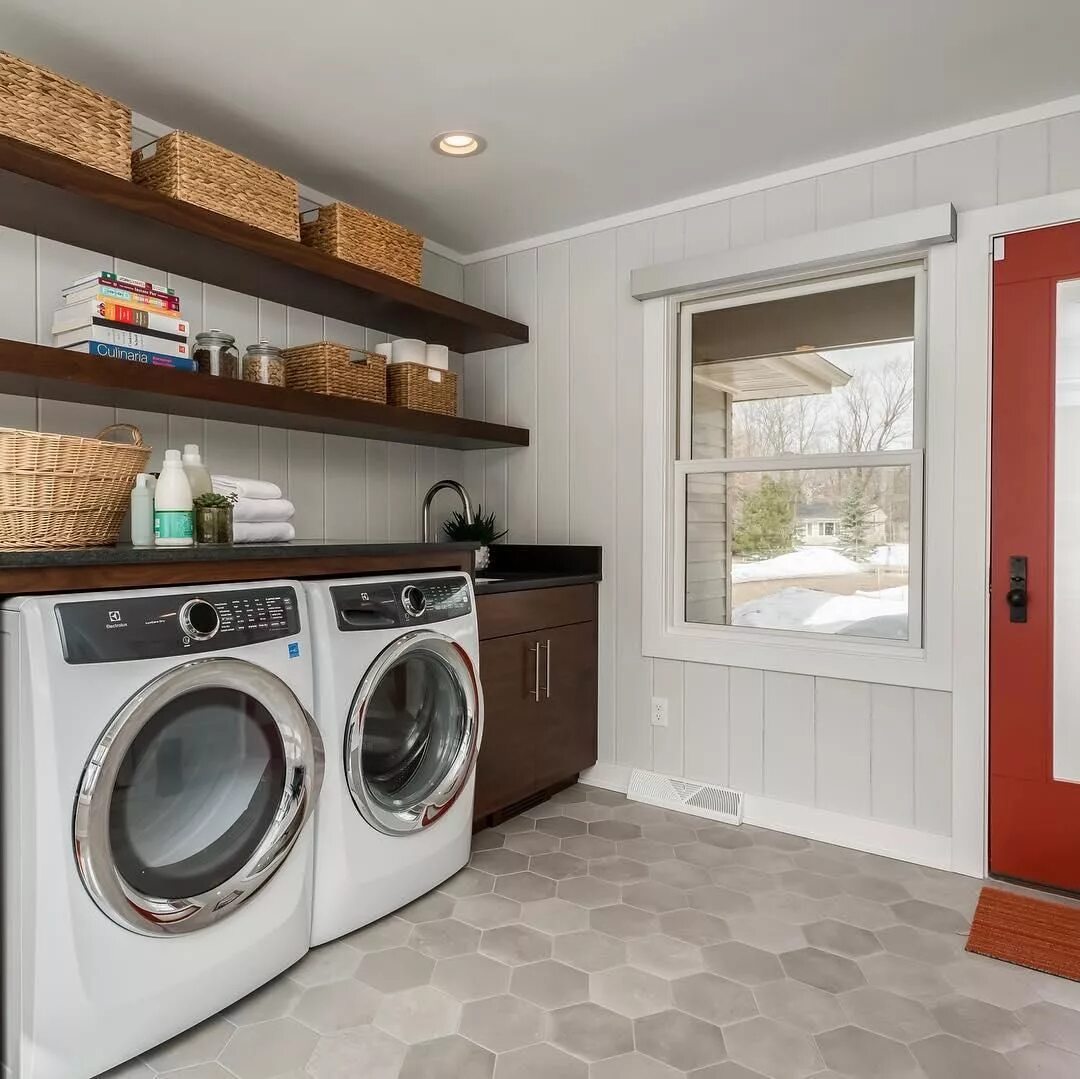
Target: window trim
[927,665]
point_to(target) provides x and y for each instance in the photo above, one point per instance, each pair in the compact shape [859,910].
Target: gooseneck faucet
[450,485]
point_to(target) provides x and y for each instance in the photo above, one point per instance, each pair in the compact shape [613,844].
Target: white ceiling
[591,107]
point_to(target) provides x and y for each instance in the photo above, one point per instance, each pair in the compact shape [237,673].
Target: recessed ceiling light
[458,143]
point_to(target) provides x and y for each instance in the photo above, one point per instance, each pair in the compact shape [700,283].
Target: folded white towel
[263,509]
[245,488]
[263,532]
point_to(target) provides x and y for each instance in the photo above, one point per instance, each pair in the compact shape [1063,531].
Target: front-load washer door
[194,795]
[413,732]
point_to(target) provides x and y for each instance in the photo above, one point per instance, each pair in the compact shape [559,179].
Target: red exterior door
[1035,515]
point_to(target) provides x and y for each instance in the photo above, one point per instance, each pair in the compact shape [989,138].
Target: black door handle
[1017,596]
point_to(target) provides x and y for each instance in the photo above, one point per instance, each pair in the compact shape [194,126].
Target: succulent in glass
[213,517]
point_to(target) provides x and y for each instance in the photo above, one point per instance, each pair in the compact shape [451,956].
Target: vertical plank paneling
[706,722]
[403,507]
[18,297]
[668,741]
[894,185]
[1023,162]
[748,219]
[892,754]
[377,518]
[495,389]
[592,421]
[1065,152]
[521,398]
[789,738]
[669,238]
[344,487]
[707,229]
[305,476]
[474,396]
[553,395]
[842,746]
[845,196]
[622,560]
[274,456]
[963,173]
[746,724]
[933,762]
[791,209]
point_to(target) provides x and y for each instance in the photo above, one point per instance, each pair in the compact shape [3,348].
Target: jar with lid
[264,363]
[216,354]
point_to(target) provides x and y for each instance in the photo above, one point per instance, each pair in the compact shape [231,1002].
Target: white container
[198,476]
[438,356]
[386,351]
[409,350]
[142,511]
[173,518]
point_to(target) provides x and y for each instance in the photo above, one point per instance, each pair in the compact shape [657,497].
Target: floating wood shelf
[43,371]
[44,193]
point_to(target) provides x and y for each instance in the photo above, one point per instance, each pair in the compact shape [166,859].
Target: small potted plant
[482,530]
[213,517]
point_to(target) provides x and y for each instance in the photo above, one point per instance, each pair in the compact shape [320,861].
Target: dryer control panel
[390,604]
[179,624]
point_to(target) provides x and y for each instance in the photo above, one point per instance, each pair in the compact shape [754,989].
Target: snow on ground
[869,614]
[804,562]
[892,556]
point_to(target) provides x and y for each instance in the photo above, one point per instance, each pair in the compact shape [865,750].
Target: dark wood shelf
[43,371]
[44,193]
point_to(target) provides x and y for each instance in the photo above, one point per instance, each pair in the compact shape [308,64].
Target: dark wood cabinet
[539,674]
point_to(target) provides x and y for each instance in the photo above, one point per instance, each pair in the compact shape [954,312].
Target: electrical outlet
[659,711]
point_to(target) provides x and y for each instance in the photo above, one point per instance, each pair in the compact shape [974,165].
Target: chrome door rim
[461,666]
[302,750]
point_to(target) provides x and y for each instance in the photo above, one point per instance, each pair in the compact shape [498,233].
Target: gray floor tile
[946,1057]
[590,1031]
[451,1057]
[679,1040]
[773,1049]
[854,1051]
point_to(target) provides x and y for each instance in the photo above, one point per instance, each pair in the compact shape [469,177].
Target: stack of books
[120,318]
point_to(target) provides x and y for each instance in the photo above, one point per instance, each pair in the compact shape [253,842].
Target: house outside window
[799,459]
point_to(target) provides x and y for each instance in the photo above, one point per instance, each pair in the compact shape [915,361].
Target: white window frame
[926,660]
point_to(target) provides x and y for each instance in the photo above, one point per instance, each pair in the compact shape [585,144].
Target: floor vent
[702,799]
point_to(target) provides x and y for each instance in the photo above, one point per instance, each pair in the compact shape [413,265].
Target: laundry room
[535,541]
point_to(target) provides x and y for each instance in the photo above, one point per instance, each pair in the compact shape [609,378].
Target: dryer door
[194,795]
[413,733]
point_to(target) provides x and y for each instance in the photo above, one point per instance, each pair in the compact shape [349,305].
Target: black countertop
[126,554]
[515,567]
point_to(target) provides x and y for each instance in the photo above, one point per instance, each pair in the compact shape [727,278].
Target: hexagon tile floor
[595,938]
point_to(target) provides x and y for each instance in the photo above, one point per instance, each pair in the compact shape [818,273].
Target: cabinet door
[568,708]
[507,767]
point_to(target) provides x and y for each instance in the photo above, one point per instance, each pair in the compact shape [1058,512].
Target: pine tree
[854,521]
[766,521]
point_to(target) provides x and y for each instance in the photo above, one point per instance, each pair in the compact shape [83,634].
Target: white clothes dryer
[400,709]
[159,764]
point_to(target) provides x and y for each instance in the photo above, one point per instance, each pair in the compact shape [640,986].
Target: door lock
[1017,596]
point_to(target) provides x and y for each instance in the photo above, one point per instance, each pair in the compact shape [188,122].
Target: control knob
[412,599]
[199,619]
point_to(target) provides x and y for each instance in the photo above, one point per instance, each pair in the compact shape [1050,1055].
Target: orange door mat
[1029,932]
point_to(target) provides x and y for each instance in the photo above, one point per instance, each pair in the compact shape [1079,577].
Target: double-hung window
[796,494]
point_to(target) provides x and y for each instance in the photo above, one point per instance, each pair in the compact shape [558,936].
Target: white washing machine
[159,764]
[400,709]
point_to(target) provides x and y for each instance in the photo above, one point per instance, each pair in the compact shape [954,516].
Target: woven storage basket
[327,367]
[357,236]
[429,389]
[194,170]
[66,491]
[40,107]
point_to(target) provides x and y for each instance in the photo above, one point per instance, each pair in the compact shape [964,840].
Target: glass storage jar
[216,354]
[264,363]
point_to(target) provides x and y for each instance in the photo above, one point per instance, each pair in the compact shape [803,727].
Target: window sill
[856,661]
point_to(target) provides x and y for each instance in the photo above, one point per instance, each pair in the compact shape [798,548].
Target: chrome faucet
[450,485]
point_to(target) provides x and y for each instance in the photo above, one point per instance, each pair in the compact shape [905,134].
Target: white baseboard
[840,829]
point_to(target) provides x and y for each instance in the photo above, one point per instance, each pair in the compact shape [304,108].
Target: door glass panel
[1067,535]
[414,728]
[196,793]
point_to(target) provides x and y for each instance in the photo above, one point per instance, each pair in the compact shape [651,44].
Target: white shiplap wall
[866,751]
[343,488]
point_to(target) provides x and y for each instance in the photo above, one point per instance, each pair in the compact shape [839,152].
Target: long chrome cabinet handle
[547,682]
[535,648]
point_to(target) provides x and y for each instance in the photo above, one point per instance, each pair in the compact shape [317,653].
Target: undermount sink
[488,580]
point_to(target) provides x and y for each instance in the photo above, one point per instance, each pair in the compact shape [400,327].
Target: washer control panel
[154,627]
[388,605]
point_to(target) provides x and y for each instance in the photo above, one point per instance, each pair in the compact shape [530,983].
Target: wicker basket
[357,236]
[66,491]
[40,107]
[194,170]
[429,389]
[327,367]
